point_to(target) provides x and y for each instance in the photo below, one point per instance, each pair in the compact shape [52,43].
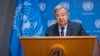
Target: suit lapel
[56,30]
[69,29]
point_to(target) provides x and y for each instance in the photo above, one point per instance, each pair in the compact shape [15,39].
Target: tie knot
[62,28]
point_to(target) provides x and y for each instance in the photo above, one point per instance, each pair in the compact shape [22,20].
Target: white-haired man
[64,27]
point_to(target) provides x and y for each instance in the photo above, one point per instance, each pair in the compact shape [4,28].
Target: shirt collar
[59,27]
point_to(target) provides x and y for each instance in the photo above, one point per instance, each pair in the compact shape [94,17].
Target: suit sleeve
[82,31]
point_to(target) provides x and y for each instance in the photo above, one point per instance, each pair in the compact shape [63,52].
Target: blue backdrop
[86,12]
[37,15]
[33,17]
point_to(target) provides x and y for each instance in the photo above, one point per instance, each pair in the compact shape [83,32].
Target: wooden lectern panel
[72,45]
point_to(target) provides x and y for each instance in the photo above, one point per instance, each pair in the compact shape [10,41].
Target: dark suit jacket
[73,29]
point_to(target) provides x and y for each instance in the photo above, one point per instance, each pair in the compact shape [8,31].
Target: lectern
[60,46]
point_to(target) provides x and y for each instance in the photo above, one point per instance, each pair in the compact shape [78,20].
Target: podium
[71,45]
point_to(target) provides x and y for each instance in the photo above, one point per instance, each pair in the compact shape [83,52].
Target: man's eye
[57,15]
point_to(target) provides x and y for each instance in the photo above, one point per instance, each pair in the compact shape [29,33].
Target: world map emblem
[42,6]
[51,22]
[87,6]
[66,4]
[97,23]
[30,19]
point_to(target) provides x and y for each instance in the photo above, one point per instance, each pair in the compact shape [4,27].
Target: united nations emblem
[66,4]
[87,6]
[97,23]
[30,19]
[57,51]
[42,6]
[51,22]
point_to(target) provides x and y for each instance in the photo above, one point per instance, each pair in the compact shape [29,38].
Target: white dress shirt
[65,30]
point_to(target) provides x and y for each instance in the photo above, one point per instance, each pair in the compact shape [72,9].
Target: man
[64,27]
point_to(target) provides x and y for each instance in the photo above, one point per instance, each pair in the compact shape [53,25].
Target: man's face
[61,17]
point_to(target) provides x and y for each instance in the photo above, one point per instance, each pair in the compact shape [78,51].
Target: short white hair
[60,6]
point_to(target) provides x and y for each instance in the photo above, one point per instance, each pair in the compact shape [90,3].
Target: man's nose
[61,17]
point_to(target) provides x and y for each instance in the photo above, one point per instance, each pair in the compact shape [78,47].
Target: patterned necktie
[62,31]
